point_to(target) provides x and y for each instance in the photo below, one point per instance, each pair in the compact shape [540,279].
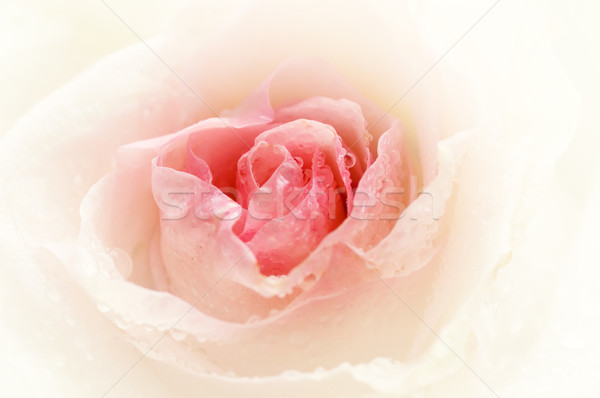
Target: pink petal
[303,137]
[283,242]
[197,246]
[345,117]
[266,200]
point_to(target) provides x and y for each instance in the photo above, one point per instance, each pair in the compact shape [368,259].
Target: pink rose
[254,222]
[260,188]
[301,192]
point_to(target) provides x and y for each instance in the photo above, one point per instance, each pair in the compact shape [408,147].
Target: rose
[275,180]
[96,283]
[310,166]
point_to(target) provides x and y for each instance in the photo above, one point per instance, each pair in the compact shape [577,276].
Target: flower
[258,190]
[290,173]
[320,316]
[163,220]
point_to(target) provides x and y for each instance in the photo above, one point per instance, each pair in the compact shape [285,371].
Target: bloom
[320,328]
[298,170]
[290,188]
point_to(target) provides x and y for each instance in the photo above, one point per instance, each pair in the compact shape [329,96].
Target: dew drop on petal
[178,335]
[122,261]
[273,312]
[349,160]
[121,324]
[253,319]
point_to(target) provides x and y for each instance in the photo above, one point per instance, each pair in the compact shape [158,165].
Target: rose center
[293,185]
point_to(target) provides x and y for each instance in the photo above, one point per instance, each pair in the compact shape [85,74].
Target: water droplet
[121,324]
[122,261]
[178,335]
[379,366]
[253,319]
[349,160]
[273,312]
[88,268]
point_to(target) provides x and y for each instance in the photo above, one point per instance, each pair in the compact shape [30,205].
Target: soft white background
[44,44]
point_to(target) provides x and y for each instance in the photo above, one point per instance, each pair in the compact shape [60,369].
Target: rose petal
[283,242]
[302,137]
[269,200]
[344,116]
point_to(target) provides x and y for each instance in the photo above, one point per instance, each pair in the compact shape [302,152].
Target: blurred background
[43,44]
